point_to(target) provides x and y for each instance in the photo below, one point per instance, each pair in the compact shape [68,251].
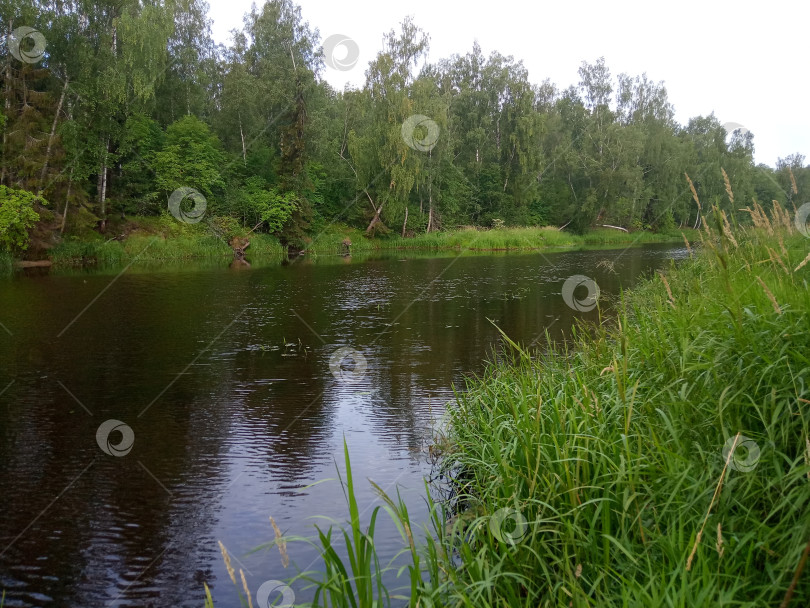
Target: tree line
[110,106]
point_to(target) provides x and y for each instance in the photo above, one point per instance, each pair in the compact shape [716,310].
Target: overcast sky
[715,56]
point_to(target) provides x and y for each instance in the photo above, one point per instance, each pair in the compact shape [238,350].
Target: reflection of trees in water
[114,519]
[282,417]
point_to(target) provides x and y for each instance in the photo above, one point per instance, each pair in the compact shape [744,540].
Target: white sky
[749,67]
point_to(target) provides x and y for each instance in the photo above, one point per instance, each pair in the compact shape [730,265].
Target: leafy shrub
[17,217]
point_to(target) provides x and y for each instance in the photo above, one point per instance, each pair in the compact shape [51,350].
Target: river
[227,400]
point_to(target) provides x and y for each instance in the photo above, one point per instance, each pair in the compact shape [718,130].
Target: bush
[17,217]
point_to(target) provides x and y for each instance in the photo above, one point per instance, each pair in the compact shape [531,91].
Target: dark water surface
[231,425]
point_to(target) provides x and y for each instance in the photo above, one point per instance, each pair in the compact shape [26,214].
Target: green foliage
[191,157]
[17,217]
[473,239]
[226,227]
[272,207]
[630,428]
[142,140]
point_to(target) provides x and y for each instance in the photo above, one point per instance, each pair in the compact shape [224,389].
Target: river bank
[152,239]
[658,459]
[664,461]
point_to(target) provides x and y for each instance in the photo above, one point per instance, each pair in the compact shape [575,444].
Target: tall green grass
[659,458]
[156,247]
[352,573]
[161,238]
[611,448]
[331,241]
[164,238]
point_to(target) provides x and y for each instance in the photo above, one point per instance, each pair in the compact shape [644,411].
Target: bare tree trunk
[67,202]
[98,185]
[405,223]
[376,217]
[102,185]
[244,148]
[511,159]
[51,137]
[430,204]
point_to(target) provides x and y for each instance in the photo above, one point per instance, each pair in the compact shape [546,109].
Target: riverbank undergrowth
[166,239]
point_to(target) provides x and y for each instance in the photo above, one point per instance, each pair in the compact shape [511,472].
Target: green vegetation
[158,248]
[17,217]
[161,238]
[107,124]
[613,449]
[661,458]
[492,239]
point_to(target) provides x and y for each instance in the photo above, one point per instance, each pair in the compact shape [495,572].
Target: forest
[110,107]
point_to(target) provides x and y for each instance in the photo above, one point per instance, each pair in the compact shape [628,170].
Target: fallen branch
[254,228]
[614,227]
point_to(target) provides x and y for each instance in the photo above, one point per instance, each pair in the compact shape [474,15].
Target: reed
[612,447]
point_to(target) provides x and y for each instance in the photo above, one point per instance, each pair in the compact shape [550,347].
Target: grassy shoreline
[504,239]
[661,458]
[617,453]
[158,239]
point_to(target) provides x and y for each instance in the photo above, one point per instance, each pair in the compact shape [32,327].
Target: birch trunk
[405,223]
[102,185]
[51,137]
[67,202]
